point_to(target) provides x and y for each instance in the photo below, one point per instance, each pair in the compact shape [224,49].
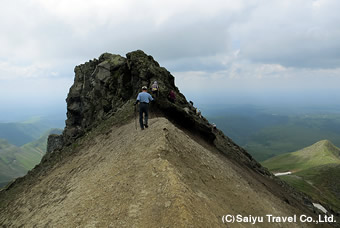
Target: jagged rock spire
[102,86]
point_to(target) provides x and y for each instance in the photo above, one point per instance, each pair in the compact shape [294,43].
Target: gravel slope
[159,177]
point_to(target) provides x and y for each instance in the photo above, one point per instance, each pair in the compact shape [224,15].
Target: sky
[220,51]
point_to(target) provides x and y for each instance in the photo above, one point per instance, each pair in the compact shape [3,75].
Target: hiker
[172,96]
[155,88]
[198,112]
[214,126]
[191,106]
[144,98]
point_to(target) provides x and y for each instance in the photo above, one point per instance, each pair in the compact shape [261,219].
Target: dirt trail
[159,177]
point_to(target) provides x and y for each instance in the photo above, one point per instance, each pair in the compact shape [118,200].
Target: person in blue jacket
[144,98]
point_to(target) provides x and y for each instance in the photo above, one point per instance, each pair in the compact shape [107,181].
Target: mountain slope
[21,133]
[104,171]
[9,166]
[320,153]
[157,177]
[35,150]
[316,171]
[16,161]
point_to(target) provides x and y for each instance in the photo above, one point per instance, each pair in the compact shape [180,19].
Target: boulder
[54,142]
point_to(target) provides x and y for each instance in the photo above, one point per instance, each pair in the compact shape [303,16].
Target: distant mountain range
[15,160]
[266,131]
[315,171]
[20,133]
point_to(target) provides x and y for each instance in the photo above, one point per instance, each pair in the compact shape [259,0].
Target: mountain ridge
[314,169]
[163,176]
[321,152]
[99,134]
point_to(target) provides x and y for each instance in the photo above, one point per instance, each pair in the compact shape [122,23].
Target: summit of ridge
[102,86]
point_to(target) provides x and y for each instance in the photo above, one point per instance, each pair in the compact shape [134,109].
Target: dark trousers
[143,108]
[155,93]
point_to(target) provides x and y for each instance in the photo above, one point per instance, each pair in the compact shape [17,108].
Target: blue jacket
[144,97]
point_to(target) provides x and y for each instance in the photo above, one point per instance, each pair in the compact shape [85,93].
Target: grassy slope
[321,183]
[33,151]
[316,170]
[9,167]
[320,153]
[24,132]
[16,161]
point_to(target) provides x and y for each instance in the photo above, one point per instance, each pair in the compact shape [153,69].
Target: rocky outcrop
[102,86]
[54,142]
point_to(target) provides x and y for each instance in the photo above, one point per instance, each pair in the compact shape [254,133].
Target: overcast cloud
[249,44]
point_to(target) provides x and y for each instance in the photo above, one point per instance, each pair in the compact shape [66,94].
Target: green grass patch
[320,183]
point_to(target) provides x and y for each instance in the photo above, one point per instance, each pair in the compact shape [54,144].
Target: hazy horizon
[326,102]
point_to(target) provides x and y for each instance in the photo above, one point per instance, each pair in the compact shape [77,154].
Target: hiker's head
[144,88]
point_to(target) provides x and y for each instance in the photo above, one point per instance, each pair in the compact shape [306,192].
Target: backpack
[154,87]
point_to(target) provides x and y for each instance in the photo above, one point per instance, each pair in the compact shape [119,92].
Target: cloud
[246,77]
[76,29]
[245,44]
[292,33]
[299,33]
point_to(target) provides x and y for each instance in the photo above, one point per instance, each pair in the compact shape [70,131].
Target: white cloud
[246,43]
[9,70]
[253,77]
[295,33]
[292,33]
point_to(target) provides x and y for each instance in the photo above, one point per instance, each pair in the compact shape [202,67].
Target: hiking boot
[146,125]
[142,128]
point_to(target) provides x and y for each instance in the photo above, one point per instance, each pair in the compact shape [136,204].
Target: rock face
[102,86]
[54,142]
